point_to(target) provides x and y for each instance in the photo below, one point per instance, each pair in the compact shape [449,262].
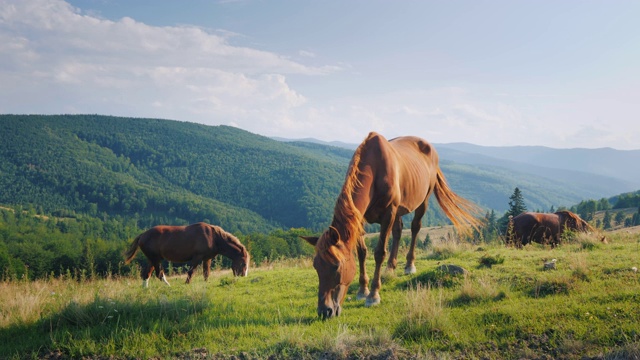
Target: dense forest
[162,171]
[35,246]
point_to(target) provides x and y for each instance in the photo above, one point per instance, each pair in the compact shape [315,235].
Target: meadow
[507,306]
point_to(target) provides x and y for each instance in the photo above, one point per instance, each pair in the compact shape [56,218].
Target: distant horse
[193,244]
[544,228]
[385,180]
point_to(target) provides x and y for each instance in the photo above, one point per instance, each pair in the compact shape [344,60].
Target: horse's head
[573,221]
[336,268]
[240,264]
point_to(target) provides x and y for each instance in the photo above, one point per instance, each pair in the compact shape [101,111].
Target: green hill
[164,171]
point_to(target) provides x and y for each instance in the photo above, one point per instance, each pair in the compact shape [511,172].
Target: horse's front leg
[380,253]
[416,224]
[396,234]
[160,272]
[364,279]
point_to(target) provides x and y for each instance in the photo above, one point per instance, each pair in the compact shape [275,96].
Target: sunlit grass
[505,303]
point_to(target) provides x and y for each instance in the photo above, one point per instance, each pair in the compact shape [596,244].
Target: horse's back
[416,162]
[535,226]
[403,169]
[177,243]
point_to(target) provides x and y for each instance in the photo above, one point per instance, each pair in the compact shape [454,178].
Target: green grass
[506,307]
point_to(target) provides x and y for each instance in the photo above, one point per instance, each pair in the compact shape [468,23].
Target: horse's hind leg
[206,269]
[364,279]
[396,234]
[193,265]
[160,272]
[416,224]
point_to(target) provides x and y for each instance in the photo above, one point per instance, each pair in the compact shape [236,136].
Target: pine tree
[516,203]
[636,218]
[516,207]
[606,221]
[490,226]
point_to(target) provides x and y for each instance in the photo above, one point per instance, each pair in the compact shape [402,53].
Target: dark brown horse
[385,180]
[544,228]
[193,244]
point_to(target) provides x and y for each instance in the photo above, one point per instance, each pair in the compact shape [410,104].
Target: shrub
[478,291]
[488,260]
[558,286]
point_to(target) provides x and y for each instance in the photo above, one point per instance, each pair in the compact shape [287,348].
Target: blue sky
[562,74]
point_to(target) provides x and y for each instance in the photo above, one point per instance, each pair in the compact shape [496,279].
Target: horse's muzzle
[326,312]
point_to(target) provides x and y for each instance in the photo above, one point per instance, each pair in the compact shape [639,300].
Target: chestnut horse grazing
[385,180]
[193,244]
[545,228]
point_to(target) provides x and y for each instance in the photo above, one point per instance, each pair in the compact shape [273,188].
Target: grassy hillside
[507,307]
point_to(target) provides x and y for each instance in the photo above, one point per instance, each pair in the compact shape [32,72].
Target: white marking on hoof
[410,270]
[372,302]
[165,280]
[362,295]
[145,283]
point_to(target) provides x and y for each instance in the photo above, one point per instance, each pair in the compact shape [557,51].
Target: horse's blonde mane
[345,215]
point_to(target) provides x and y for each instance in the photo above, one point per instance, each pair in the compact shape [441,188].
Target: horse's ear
[334,235]
[310,239]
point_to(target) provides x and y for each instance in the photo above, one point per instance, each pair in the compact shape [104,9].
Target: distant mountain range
[577,174]
[163,171]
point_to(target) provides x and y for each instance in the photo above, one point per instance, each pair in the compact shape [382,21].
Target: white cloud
[55,59]
[130,68]
[305,53]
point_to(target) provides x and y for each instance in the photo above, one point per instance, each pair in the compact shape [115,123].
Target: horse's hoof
[362,294]
[372,302]
[391,268]
[410,270]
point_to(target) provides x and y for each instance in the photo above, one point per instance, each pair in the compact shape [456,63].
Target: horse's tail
[133,249]
[459,210]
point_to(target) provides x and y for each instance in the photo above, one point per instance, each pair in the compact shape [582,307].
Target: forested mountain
[163,171]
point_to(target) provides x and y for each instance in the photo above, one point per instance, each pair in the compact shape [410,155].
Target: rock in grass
[452,269]
[550,265]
